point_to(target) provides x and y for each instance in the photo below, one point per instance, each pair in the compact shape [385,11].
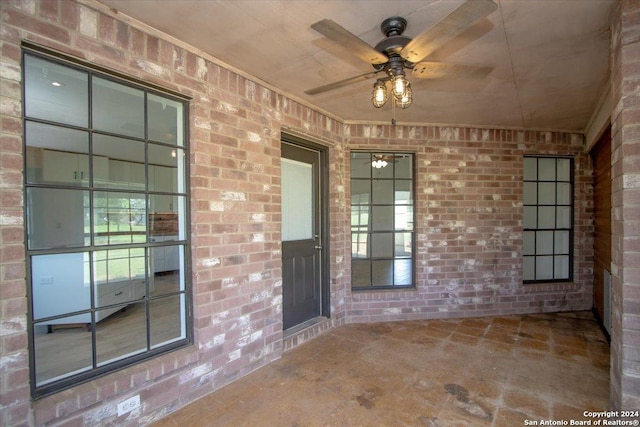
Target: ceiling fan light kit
[379,94]
[396,53]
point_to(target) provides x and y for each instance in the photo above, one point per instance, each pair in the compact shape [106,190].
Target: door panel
[300,290]
[302,231]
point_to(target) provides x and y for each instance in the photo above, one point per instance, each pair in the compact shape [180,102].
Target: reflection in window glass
[60,285]
[117,108]
[57,155]
[55,93]
[106,206]
[167,277]
[58,218]
[360,165]
[125,164]
[382,218]
[547,219]
[122,336]
[61,353]
[162,312]
[165,120]
[119,218]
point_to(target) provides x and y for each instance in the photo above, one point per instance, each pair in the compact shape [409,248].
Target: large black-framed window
[548,219]
[382,220]
[106,196]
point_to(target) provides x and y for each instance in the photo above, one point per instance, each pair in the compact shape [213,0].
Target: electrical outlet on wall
[129,405]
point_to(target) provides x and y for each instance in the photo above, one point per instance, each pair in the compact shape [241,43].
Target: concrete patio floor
[489,371]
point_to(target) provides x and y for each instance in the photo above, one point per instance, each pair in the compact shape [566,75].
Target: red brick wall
[625,176]
[235,127]
[468,201]
[469,224]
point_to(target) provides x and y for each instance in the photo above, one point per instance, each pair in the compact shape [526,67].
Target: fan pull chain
[393,113]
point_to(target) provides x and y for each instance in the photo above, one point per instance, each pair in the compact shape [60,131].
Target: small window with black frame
[547,219]
[382,220]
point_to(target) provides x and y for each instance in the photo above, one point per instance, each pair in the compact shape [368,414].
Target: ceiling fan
[397,53]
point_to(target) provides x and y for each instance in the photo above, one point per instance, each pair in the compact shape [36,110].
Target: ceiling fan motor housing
[393,26]
[394,42]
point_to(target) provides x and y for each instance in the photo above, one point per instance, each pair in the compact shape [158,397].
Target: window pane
[564,193]
[166,320]
[60,285]
[403,244]
[360,192]
[119,218]
[360,165]
[528,271]
[544,268]
[56,93]
[564,169]
[164,178]
[563,219]
[530,196]
[60,354]
[384,171]
[404,166]
[546,169]
[530,217]
[546,217]
[382,245]
[529,243]
[165,119]
[297,200]
[122,335]
[403,217]
[167,216]
[359,247]
[119,276]
[359,218]
[382,273]
[360,273]
[402,272]
[382,192]
[382,218]
[165,259]
[561,242]
[118,108]
[56,155]
[57,218]
[530,172]
[547,193]
[561,267]
[544,242]
[167,281]
[125,163]
[403,193]
[167,166]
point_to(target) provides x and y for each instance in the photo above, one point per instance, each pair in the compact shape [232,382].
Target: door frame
[323,196]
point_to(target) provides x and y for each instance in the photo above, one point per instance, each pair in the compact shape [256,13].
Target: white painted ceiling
[550,58]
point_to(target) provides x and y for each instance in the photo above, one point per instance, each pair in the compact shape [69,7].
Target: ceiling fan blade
[341,83]
[350,41]
[435,70]
[455,23]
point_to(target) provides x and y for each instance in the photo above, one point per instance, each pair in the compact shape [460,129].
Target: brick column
[625,81]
